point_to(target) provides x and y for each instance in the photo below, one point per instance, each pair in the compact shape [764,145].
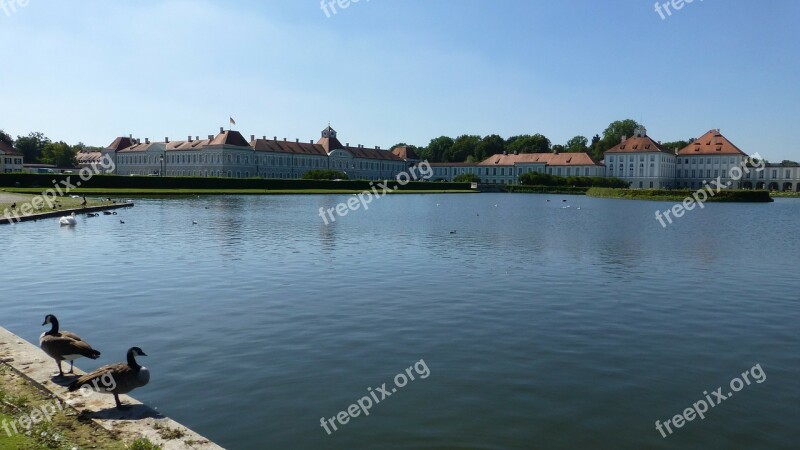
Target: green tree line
[39,149]
[474,148]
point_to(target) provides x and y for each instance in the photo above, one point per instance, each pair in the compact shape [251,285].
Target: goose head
[132,354]
[51,320]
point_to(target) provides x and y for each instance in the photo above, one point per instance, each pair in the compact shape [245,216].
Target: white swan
[68,221]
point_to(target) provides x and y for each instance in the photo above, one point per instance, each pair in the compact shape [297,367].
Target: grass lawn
[7,199]
[64,431]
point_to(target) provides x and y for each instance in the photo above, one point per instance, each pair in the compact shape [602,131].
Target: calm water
[542,327]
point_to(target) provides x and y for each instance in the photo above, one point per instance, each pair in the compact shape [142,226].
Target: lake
[542,326]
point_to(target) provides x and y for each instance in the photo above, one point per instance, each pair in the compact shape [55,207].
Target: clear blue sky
[386,71]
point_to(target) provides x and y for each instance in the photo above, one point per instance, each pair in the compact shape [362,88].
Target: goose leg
[71,367]
[60,370]
[119,404]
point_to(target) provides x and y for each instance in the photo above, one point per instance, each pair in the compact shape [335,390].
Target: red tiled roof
[711,143]
[88,157]
[551,159]
[233,138]
[6,149]
[120,143]
[330,144]
[405,153]
[299,148]
[372,153]
[463,164]
[639,144]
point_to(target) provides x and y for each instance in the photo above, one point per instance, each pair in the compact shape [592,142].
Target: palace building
[229,154]
[506,168]
[640,160]
[10,159]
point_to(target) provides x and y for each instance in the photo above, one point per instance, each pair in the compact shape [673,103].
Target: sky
[390,71]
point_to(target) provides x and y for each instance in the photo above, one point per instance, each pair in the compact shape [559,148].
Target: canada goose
[14,205]
[107,213]
[83,203]
[125,377]
[68,221]
[194,222]
[122,222]
[64,346]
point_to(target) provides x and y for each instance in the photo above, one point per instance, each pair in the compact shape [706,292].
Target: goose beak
[143,354]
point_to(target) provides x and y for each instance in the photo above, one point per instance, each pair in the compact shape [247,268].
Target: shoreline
[62,213]
[139,422]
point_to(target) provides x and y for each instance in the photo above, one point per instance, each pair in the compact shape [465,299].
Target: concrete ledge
[65,212]
[140,421]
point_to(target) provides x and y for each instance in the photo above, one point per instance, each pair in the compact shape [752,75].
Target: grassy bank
[19,398]
[786,194]
[569,190]
[21,198]
[745,196]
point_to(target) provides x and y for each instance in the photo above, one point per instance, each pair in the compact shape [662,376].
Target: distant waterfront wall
[27,180]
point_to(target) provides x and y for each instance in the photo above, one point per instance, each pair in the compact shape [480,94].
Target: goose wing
[70,335]
[118,372]
[58,347]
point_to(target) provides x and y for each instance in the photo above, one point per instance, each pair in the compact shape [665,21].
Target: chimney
[505,152]
[284,139]
[190,138]
[624,138]
[252,137]
[516,152]
[146,140]
[210,137]
[311,142]
[347,145]
[264,137]
[130,136]
[297,141]
[166,140]
[221,130]
[274,138]
[197,138]
[377,147]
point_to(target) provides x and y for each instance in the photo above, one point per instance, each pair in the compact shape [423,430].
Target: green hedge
[29,180]
[547,189]
[545,179]
[679,195]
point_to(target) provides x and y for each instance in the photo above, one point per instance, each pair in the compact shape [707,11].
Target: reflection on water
[543,327]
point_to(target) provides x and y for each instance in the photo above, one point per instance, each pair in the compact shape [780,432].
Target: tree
[528,144]
[59,154]
[5,137]
[31,146]
[463,147]
[488,146]
[675,146]
[612,135]
[467,178]
[578,144]
[595,148]
[437,148]
[81,147]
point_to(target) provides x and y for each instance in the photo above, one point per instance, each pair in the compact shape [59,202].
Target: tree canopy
[59,154]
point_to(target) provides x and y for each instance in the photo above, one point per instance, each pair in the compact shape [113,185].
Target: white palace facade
[230,155]
[638,159]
